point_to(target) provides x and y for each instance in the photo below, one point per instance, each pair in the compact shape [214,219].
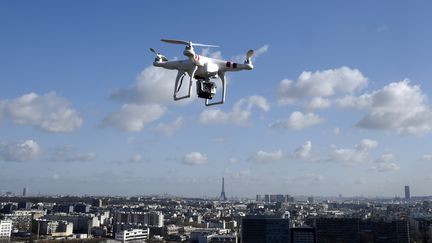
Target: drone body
[201,68]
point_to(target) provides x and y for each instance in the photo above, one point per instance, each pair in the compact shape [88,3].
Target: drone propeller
[187,43]
[249,54]
[153,50]
[158,55]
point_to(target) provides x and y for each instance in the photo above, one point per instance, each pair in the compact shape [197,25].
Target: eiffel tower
[222,196]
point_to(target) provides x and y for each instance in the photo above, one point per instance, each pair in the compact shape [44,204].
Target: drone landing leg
[178,84]
[222,78]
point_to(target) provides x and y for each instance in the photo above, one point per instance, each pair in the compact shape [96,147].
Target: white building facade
[5,229]
[133,234]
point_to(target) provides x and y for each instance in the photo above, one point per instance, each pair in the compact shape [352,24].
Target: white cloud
[132,117]
[170,128]
[354,156]
[19,151]
[318,103]
[385,163]
[70,154]
[398,106]
[367,144]
[349,156]
[321,84]
[266,157]
[427,157]
[195,158]
[303,152]
[242,110]
[154,85]
[298,121]
[48,112]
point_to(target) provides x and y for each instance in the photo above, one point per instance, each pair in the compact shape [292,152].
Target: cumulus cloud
[359,154]
[240,114]
[133,117]
[70,154]
[318,103]
[48,112]
[298,121]
[321,84]
[19,151]
[385,163]
[170,128]
[304,152]
[153,85]
[367,144]
[266,157]
[195,158]
[398,106]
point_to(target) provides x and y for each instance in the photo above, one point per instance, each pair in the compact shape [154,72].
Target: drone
[202,69]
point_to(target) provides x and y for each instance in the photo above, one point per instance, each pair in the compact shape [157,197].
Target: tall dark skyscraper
[24,194]
[222,196]
[265,229]
[407,193]
[337,230]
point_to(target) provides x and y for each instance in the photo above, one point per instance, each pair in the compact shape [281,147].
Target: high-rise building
[5,228]
[303,234]
[265,229]
[407,193]
[81,208]
[97,202]
[337,230]
[222,196]
[24,194]
[154,218]
[25,205]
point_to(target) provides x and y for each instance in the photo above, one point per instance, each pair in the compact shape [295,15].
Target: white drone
[202,69]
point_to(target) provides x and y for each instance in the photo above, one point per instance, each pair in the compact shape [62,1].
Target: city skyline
[338,102]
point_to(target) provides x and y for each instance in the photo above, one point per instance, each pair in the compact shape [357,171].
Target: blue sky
[337,103]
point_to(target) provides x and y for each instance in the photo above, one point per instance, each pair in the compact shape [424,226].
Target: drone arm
[224,85]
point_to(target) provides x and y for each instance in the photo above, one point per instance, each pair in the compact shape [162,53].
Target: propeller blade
[153,50]
[182,42]
[250,53]
[203,45]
